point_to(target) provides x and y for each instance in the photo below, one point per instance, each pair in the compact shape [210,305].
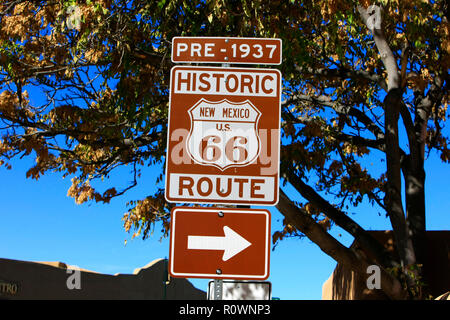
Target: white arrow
[232,243]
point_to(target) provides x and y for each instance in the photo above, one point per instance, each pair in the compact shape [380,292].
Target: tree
[351,71]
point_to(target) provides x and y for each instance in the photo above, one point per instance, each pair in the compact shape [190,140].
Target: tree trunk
[414,175]
[393,198]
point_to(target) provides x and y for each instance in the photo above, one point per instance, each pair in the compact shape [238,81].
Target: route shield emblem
[224,134]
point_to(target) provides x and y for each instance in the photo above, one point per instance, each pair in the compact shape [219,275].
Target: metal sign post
[240,290]
[218,289]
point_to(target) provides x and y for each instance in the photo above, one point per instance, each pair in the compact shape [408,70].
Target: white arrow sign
[232,243]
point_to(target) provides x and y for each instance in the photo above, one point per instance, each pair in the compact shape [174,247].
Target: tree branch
[340,109]
[345,222]
[343,255]
[387,56]
[344,73]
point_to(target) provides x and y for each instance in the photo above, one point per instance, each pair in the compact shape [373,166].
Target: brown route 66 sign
[224,135]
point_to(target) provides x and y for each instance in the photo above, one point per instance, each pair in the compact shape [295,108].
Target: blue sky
[40,223]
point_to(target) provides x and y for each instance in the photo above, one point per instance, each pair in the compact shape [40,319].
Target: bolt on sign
[223,136]
[215,243]
[226,50]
